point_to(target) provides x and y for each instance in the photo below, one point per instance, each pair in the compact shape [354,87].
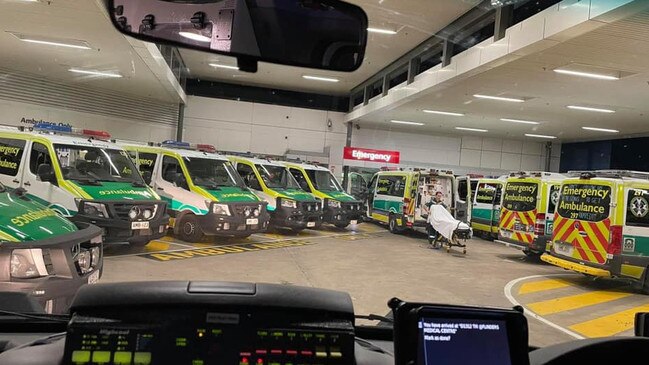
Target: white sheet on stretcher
[443,222]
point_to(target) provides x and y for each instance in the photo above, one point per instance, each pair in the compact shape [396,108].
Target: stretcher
[446,231]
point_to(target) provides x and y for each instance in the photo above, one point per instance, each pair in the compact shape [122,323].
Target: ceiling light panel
[405,122]
[606,130]
[519,121]
[453,114]
[590,109]
[96,73]
[320,78]
[499,98]
[471,129]
[539,136]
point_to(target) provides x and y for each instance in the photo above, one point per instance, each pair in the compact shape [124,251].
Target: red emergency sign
[365,154]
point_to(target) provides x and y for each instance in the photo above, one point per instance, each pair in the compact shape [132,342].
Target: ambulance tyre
[644,289]
[532,254]
[139,243]
[189,230]
[392,225]
[341,225]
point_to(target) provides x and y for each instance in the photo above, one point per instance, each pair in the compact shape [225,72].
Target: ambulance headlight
[333,203]
[95,209]
[289,203]
[147,213]
[84,261]
[220,209]
[27,263]
[95,256]
[256,212]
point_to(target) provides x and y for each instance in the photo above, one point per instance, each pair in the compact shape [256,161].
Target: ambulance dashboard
[203,323]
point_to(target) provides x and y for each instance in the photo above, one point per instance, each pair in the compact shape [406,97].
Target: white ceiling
[415,21]
[76,20]
[621,46]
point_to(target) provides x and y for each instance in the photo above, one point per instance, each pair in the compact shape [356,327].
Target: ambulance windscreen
[585,202]
[520,196]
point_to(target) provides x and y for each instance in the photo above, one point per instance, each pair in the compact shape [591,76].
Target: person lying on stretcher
[440,220]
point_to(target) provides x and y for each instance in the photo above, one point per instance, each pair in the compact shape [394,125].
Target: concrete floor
[373,266]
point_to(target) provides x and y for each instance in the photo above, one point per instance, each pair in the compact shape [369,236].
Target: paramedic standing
[437,200]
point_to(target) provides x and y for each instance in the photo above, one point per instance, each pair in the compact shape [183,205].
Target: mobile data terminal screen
[450,341]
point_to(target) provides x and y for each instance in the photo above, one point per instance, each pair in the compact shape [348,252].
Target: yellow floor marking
[563,304]
[609,325]
[542,285]
[157,246]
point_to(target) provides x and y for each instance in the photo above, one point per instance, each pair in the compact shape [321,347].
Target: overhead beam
[504,19]
[477,14]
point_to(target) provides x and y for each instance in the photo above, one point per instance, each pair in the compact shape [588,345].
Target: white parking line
[510,297]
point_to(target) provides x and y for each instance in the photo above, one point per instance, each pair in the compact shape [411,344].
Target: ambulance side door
[463,199]
[39,156]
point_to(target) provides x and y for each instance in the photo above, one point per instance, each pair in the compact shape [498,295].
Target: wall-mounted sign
[32,121]
[365,154]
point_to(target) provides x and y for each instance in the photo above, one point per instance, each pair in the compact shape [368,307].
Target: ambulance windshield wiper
[87,181]
[138,184]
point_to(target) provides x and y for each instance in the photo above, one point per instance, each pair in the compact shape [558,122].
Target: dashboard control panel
[244,334]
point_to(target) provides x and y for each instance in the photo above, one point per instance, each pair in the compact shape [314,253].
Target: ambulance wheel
[534,255]
[189,229]
[341,225]
[139,243]
[644,289]
[392,225]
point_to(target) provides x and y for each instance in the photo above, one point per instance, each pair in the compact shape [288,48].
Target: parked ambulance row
[65,191]
[591,222]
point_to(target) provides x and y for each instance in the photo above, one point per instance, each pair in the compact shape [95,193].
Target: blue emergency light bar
[47,127]
[172,143]
[53,127]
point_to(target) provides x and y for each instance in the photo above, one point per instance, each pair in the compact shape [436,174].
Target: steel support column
[181,122]
[348,143]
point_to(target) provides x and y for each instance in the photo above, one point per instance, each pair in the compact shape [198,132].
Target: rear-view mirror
[323,34]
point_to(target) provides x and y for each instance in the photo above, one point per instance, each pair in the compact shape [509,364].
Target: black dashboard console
[202,323]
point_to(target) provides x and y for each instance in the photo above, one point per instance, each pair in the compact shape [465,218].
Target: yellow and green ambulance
[288,205]
[338,207]
[487,200]
[206,195]
[602,225]
[85,177]
[527,213]
[43,254]
[399,198]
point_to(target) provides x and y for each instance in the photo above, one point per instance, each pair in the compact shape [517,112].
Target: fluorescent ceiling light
[320,78]
[499,98]
[539,136]
[95,73]
[69,43]
[519,121]
[587,74]
[229,67]
[589,109]
[195,36]
[443,113]
[381,31]
[405,122]
[601,129]
[471,129]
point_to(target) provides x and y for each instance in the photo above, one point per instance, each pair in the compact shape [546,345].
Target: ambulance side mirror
[45,172]
[146,176]
[252,182]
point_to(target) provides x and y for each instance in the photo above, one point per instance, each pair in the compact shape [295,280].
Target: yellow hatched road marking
[611,324]
[563,304]
[542,285]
